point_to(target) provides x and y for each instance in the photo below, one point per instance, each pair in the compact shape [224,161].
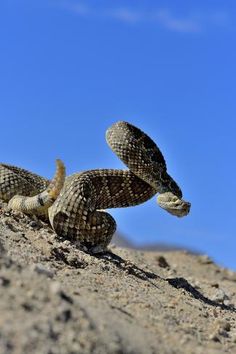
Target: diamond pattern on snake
[76,205]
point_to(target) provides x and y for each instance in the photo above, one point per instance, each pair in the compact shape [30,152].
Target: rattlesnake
[75,204]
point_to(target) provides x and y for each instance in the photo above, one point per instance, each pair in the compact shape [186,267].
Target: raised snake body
[75,204]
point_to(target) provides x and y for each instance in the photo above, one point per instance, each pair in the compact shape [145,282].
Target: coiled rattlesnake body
[75,205]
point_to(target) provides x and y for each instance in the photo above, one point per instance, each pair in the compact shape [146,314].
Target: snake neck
[165,183]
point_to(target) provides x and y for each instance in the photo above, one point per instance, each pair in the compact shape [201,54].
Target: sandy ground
[57,299]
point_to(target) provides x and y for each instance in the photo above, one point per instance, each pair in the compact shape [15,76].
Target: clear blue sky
[69,69]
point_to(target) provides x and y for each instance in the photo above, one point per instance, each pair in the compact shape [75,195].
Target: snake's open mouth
[173,204]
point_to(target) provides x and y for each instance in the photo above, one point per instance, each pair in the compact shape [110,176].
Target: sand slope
[57,299]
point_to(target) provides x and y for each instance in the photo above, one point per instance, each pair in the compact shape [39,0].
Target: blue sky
[69,69]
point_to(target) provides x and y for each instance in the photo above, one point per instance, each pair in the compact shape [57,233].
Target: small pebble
[223,324]
[214,336]
[55,288]
[220,296]
[40,269]
[33,224]
[162,262]
[4,281]
[205,259]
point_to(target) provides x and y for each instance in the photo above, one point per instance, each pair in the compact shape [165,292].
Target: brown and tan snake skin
[76,205]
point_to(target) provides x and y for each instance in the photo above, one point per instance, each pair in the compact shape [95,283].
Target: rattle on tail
[39,204]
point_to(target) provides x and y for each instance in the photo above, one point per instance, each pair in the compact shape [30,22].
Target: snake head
[173,204]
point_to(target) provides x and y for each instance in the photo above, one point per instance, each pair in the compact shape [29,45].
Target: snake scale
[75,205]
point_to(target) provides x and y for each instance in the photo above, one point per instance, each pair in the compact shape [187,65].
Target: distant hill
[122,241]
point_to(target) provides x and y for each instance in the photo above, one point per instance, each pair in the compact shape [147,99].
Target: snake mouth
[173,205]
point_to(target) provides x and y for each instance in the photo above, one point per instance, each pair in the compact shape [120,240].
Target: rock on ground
[56,299]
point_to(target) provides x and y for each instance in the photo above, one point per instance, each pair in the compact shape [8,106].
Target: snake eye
[175,199]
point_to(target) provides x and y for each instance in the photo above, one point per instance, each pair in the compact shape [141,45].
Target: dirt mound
[57,299]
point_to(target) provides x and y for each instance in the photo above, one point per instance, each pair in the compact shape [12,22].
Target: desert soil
[56,299]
